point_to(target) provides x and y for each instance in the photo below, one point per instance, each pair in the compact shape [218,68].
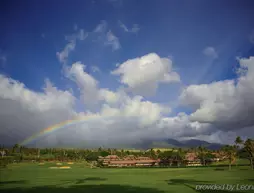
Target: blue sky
[32,32]
[181,29]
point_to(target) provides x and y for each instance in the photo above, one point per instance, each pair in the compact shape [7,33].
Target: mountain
[173,143]
[195,143]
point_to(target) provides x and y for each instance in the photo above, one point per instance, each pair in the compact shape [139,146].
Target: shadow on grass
[13,182]
[83,188]
[81,181]
[191,184]
[219,169]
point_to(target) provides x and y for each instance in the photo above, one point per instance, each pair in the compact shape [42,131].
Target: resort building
[128,161]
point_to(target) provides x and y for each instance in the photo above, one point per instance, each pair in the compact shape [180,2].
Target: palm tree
[230,151]
[15,147]
[249,147]
[180,156]
[158,152]
[238,141]
[151,152]
[122,152]
[202,153]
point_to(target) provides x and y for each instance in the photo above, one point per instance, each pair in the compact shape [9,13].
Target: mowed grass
[33,178]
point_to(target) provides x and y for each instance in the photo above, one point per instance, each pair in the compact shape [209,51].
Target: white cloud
[64,54]
[113,41]
[135,28]
[228,104]
[143,75]
[210,52]
[100,28]
[107,36]
[124,27]
[24,112]
[109,97]
[86,83]
[95,69]
[70,46]
[222,110]
[180,126]
[122,120]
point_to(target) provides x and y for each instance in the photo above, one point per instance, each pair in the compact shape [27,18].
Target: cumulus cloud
[210,52]
[142,75]
[24,112]
[135,27]
[228,104]
[221,110]
[86,83]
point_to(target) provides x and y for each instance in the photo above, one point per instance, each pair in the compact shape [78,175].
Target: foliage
[249,148]
[230,152]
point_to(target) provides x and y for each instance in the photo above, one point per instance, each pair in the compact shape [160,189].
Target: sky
[140,69]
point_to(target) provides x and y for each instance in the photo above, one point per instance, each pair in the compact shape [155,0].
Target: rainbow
[58,126]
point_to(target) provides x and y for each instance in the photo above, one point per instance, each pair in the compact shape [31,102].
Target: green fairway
[33,178]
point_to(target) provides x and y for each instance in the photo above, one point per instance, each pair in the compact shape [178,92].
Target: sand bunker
[59,164]
[53,167]
[65,167]
[70,163]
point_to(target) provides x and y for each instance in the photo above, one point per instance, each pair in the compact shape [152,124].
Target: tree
[249,147]
[38,153]
[238,141]
[2,152]
[180,156]
[122,153]
[152,153]
[202,151]
[166,158]
[230,152]
[15,147]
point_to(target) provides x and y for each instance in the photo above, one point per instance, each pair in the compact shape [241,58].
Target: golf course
[76,178]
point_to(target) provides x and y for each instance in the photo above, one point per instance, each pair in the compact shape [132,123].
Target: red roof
[143,158]
[123,162]
[146,161]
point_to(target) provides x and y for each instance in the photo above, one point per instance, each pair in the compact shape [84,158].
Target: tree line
[175,157]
